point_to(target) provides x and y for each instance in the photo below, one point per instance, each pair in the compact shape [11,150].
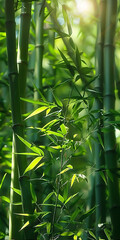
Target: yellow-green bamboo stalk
[109,105]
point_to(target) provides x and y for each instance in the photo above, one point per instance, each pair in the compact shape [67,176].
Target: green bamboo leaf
[51,123]
[45,214]
[63,129]
[92,234]
[40,165]
[71,43]
[75,214]
[24,226]
[2,180]
[100,140]
[59,103]
[2,235]
[78,58]
[103,177]
[33,164]
[6,199]
[73,179]
[37,111]
[48,197]
[34,197]
[70,67]
[32,147]
[69,27]
[58,226]
[27,153]
[48,228]
[61,199]
[75,237]
[64,12]
[107,234]
[18,191]
[2,35]
[85,70]
[24,214]
[71,197]
[41,224]
[34,102]
[67,234]
[63,171]
[70,166]
[54,133]
[86,214]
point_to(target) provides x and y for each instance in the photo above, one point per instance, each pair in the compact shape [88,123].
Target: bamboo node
[39,45]
[22,61]
[12,73]
[17,125]
[109,45]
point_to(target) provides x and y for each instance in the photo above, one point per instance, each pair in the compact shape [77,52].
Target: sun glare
[84,7]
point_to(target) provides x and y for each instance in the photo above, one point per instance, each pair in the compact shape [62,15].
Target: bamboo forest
[60,120]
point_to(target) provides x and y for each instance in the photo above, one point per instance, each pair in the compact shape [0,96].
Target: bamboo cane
[109,104]
[25,18]
[16,114]
[99,152]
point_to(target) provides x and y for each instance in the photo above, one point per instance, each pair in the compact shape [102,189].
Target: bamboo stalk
[39,48]
[25,18]
[109,104]
[16,114]
[99,152]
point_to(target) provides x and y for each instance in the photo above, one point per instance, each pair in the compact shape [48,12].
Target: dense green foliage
[59,120]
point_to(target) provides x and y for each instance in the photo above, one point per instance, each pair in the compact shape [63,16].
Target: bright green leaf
[92,234]
[107,234]
[32,147]
[48,196]
[18,191]
[67,234]
[2,180]
[33,164]
[63,129]
[73,179]
[71,197]
[37,111]
[24,226]
[41,224]
[48,228]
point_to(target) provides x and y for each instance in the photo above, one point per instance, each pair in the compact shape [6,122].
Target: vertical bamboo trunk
[14,220]
[99,152]
[109,104]
[39,48]
[16,114]
[25,18]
